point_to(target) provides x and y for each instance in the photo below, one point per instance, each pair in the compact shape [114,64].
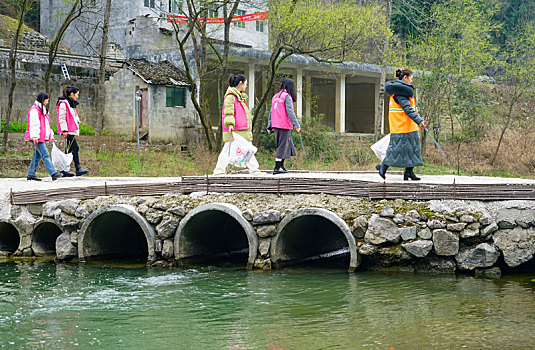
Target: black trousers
[72,147]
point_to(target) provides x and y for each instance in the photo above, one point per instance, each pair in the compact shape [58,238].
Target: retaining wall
[265,231]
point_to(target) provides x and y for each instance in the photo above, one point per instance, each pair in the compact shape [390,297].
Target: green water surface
[49,306]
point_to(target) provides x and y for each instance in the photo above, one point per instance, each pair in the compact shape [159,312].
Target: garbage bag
[380,147]
[240,150]
[61,161]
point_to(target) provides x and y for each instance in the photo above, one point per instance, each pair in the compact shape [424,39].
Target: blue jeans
[40,152]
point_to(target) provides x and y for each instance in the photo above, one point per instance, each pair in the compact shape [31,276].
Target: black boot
[32,178]
[80,171]
[55,176]
[382,170]
[66,174]
[409,174]
[278,169]
[282,166]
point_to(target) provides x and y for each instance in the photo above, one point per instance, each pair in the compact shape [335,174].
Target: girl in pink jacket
[68,126]
[38,131]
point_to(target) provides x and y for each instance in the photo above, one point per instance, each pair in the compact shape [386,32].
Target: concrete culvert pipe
[116,232]
[9,238]
[314,236]
[215,233]
[44,237]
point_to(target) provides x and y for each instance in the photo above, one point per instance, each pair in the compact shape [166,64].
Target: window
[175,97]
[175,6]
[239,24]
[260,26]
[213,12]
[149,3]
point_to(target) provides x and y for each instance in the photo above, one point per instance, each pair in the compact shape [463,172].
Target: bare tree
[24,6]
[195,35]
[381,106]
[75,11]
[102,72]
[518,75]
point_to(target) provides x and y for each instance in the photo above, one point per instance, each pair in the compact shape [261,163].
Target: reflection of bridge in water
[128,228]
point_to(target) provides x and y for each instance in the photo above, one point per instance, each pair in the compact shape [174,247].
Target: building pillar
[340,107]
[308,97]
[251,86]
[299,88]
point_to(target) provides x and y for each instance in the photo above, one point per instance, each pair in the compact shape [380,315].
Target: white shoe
[257,173]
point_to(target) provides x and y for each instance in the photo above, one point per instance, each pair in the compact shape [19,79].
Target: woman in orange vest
[404,121]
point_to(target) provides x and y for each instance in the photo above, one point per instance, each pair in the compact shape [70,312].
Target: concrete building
[343,96]
[165,111]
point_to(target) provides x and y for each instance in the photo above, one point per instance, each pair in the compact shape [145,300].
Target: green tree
[324,31]
[517,74]
[457,46]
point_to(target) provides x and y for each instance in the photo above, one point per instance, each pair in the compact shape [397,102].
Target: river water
[49,306]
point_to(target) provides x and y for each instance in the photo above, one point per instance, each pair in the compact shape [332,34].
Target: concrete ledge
[299,233]
[90,245]
[192,240]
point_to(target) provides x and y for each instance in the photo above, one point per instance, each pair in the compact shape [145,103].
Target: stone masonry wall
[431,237]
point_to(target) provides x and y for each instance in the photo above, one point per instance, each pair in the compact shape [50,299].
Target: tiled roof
[163,73]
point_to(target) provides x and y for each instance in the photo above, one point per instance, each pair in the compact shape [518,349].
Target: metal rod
[436,143]
[139,93]
[229,145]
[303,146]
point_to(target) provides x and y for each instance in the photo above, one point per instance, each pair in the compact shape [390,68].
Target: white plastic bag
[61,161]
[241,150]
[380,147]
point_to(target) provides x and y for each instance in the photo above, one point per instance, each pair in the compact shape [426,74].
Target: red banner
[251,17]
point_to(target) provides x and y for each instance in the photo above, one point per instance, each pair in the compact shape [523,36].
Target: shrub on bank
[17,127]
[319,141]
[14,126]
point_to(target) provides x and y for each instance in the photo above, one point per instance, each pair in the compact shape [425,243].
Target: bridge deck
[358,184]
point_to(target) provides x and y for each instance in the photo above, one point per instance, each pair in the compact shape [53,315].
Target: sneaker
[56,176]
[32,178]
[257,173]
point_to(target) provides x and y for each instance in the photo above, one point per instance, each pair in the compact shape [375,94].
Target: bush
[14,126]
[361,155]
[318,139]
[86,129]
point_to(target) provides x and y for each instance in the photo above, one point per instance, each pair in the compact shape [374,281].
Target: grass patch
[118,158]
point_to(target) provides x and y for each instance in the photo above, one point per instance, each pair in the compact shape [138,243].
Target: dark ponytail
[400,73]
[67,90]
[289,86]
[234,80]
[41,97]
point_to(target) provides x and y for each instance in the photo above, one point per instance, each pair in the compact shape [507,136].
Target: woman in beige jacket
[236,118]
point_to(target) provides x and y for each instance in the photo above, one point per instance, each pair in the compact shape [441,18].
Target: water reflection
[81,306]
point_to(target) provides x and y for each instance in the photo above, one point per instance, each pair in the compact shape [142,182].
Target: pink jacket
[239,115]
[69,118]
[43,118]
[279,115]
